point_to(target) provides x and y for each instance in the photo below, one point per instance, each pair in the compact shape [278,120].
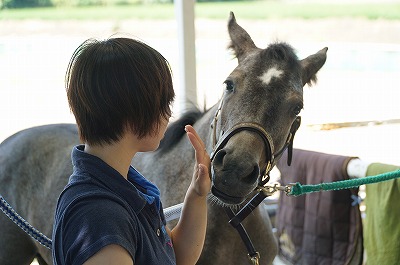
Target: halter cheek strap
[289,141]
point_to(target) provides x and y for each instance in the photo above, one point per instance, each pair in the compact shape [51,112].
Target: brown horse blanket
[321,227]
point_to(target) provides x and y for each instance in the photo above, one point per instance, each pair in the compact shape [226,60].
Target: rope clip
[276,186]
[254,259]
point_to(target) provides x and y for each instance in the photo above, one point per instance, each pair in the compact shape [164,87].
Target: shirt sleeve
[91,224]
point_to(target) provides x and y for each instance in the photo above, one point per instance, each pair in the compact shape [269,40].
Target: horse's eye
[297,109]
[229,86]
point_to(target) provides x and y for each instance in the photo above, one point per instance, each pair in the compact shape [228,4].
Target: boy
[120,91]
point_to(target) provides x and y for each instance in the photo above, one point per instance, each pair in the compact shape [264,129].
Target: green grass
[216,10]
[278,9]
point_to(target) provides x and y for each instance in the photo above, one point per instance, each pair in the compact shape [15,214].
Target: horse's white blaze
[272,72]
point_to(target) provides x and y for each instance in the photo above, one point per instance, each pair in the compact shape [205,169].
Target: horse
[245,132]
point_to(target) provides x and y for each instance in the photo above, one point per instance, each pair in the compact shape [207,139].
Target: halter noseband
[247,126]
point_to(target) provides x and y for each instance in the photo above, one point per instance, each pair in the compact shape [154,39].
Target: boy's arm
[110,255]
[189,234]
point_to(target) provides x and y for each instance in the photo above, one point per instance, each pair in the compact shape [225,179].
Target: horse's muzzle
[225,198]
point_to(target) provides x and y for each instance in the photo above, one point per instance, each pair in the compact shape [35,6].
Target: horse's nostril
[219,157]
[253,176]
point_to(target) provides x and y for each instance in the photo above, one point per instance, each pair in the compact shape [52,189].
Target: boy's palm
[201,181]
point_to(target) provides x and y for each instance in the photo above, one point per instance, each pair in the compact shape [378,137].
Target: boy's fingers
[190,129]
[196,142]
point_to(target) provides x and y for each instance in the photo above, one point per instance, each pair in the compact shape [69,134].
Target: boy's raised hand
[201,177]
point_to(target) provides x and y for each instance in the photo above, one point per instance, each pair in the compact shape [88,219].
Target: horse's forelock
[176,129]
[281,51]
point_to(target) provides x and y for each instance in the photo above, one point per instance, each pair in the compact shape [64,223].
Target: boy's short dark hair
[115,85]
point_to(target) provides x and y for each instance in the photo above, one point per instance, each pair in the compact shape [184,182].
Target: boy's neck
[118,155]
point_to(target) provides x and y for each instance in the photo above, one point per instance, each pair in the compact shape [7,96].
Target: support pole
[187,95]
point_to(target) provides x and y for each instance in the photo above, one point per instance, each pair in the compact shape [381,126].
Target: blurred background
[352,110]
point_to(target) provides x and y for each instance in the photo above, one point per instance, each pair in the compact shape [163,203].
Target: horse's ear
[311,65]
[241,42]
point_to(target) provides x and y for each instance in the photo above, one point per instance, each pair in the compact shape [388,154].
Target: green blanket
[382,222]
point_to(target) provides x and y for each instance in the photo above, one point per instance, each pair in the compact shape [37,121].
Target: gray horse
[262,99]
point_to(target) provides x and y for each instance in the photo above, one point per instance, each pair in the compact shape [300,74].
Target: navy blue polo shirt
[99,207]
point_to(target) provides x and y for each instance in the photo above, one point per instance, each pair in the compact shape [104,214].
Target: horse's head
[258,113]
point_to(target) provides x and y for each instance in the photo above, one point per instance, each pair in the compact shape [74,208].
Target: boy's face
[152,141]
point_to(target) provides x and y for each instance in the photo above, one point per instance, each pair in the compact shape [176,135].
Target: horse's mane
[176,130]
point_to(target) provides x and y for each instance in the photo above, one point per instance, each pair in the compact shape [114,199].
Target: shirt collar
[151,192]
[87,164]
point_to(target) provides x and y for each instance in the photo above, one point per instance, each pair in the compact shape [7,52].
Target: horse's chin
[225,199]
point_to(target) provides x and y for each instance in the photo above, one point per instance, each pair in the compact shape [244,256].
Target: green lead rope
[297,189]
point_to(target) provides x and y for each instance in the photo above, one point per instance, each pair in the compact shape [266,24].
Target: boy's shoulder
[87,214]
[88,197]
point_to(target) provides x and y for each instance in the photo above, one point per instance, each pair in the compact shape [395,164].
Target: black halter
[271,155]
